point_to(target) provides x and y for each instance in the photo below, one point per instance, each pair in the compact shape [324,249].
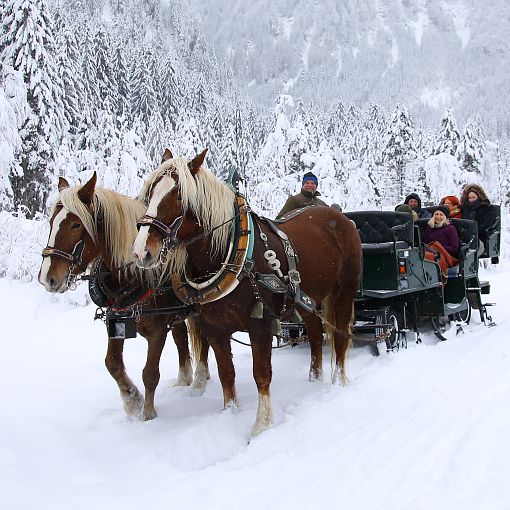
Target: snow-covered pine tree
[27,43]
[108,97]
[469,152]
[143,96]
[448,138]
[13,111]
[121,83]
[399,150]
[70,72]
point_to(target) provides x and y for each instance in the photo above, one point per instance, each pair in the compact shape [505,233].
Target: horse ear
[197,162]
[86,192]
[62,183]
[167,155]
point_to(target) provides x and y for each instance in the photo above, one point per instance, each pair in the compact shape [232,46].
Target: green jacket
[301,200]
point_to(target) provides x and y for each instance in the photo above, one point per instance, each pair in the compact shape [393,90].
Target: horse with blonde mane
[190,214]
[88,224]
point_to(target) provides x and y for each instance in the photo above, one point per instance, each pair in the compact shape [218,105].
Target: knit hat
[309,176]
[415,196]
[443,208]
[403,208]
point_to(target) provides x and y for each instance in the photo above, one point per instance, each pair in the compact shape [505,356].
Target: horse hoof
[184,378]
[315,375]
[197,390]
[259,427]
[149,415]
[133,403]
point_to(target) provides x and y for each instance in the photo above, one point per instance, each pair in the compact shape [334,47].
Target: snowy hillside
[428,55]
[422,428]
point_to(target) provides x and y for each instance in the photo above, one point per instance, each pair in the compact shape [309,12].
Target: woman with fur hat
[475,206]
[453,204]
[307,196]
[443,243]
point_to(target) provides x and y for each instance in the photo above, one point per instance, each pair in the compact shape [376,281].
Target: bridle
[74,258]
[167,232]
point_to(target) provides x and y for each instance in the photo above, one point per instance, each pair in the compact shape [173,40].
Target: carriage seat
[383,231]
[468,235]
[467,231]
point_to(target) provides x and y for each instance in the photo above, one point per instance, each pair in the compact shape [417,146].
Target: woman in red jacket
[453,203]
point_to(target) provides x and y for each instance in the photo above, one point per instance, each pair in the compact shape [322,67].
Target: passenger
[442,240]
[475,206]
[307,196]
[414,202]
[407,209]
[453,203]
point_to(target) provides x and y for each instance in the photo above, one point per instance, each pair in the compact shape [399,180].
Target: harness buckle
[294,277]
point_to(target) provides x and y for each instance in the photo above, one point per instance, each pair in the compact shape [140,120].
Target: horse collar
[228,277]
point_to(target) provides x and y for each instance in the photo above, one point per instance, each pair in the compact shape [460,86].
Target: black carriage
[400,288]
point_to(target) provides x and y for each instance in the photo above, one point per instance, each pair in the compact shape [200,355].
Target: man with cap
[413,200]
[307,196]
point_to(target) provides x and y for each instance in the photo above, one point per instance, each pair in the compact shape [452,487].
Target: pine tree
[27,44]
[469,152]
[449,137]
[399,148]
[143,96]
[71,75]
[107,90]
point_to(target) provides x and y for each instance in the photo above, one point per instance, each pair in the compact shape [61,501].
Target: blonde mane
[211,201]
[118,214]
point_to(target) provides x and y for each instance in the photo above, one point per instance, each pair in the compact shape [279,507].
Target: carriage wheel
[393,341]
[438,328]
[465,315]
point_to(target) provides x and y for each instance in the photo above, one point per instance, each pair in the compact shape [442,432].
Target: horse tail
[195,339]
[340,343]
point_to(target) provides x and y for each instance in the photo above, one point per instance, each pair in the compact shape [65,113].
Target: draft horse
[88,223]
[190,212]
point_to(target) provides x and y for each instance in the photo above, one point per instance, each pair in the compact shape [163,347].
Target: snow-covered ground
[423,428]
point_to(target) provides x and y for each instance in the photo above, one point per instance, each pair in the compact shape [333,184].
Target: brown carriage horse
[190,212]
[88,223]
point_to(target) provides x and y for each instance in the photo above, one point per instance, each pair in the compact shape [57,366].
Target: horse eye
[74,226]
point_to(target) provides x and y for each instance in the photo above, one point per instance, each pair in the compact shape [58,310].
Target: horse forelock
[118,215]
[204,194]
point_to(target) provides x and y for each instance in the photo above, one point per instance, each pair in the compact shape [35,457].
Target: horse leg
[150,375]
[314,332]
[261,345]
[200,348]
[180,335]
[222,351]
[339,311]
[131,397]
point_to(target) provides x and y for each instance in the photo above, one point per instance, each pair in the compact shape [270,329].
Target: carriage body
[400,288]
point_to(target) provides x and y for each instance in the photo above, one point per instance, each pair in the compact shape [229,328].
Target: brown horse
[193,211]
[88,223]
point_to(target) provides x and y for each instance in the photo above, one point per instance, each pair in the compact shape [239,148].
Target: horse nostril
[147,258]
[52,282]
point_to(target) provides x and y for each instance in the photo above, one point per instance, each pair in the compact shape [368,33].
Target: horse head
[170,219]
[70,245]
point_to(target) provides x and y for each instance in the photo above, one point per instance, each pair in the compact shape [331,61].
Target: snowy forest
[106,85]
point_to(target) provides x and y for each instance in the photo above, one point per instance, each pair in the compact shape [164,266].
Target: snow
[424,427]
[436,97]
[459,15]
[419,26]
